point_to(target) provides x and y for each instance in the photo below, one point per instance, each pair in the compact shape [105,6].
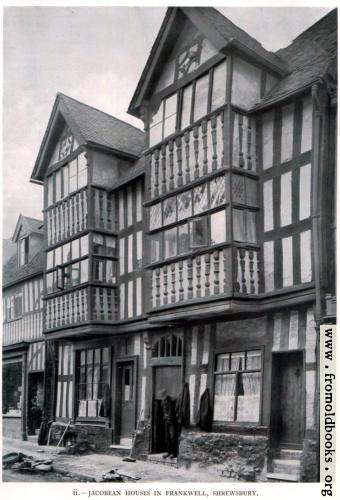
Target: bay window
[203,95]
[237,386]
[67,179]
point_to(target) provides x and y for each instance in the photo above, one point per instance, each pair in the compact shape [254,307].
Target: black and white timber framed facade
[200,251]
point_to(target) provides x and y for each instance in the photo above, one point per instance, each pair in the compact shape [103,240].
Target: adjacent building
[23,346]
[200,252]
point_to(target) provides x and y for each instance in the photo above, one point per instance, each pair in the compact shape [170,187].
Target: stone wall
[309,471]
[241,457]
[99,437]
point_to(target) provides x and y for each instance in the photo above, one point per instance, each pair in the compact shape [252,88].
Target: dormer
[28,236]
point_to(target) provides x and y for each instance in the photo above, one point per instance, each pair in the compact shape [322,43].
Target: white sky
[96,55]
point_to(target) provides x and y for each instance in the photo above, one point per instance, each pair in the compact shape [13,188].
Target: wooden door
[287,399]
[126,398]
[168,378]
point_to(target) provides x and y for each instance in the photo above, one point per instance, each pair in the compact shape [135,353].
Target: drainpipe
[320,98]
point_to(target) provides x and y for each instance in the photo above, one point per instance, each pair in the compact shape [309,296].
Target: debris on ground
[21,462]
[114,476]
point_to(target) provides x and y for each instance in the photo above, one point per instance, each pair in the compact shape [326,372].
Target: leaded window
[200,197]
[184,205]
[217,191]
[169,210]
[237,386]
[92,381]
[167,346]
[155,216]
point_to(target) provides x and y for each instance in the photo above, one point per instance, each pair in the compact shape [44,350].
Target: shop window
[92,381]
[11,388]
[167,346]
[237,386]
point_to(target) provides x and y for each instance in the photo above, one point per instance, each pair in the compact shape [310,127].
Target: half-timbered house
[239,234]
[23,346]
[200,252]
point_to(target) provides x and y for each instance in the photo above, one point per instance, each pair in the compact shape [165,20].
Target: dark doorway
[35,401]
[125,401]
[287,408]
[168,378]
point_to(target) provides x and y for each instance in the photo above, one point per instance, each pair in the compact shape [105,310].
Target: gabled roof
[8,249]
[90,126]
[310,57]
[12,274]
[29,225]
[218,29]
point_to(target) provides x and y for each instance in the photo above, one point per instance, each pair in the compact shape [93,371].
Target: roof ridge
[61,94]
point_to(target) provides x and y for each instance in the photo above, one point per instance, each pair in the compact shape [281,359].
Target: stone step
[274,477]
[120,450]
[158,458]
[286,466]
[289,454]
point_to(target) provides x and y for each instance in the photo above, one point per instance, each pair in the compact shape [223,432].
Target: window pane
[57,256]
[169,210]
[217,192]
[84,277]
[105,356]
[218,96]
[50,190]
[183,238]
[110,246]
[253,360]
[84,245]
[237,361]
[75,274]
[201,97]
[170,242]
[155,216]
[218,227]
[198,232]
[170,115]
[155,134]
[186,106]
[224,400]
[58,185]
[155,246]
[66,252]
[65,180]
[251,227]
[82,179]
[239,225]
[98,243]
[200,195]
[184,205]
[75,249]
[73,175]
[222,364]
[248,400]
[98,270]
[49,262]
[110,272]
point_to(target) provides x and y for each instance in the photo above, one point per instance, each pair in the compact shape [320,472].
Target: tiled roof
[12,273]
[8,249]
[35,225]
[312,55]
[231,32]
[132,173]
[103,129]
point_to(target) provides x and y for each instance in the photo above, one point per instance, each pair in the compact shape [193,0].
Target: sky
[95,55]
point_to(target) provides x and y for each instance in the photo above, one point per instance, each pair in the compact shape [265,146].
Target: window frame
[77,365]
[260,370]
[180,92]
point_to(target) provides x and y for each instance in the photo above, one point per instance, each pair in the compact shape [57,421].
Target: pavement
[93,466]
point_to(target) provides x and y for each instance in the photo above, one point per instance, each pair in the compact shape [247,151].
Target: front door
[126,392]
[287,400]
[168,378]
[35,401]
